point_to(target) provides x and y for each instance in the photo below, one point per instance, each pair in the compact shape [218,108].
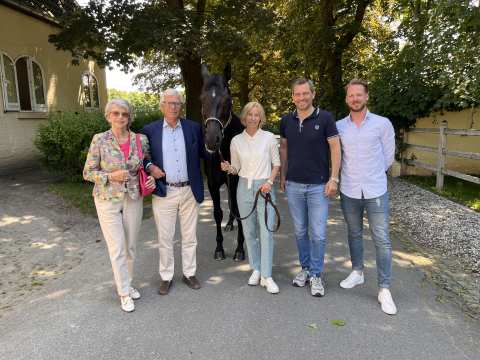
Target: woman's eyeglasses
[118,113]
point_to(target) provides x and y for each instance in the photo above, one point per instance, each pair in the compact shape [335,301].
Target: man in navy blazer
[176,146]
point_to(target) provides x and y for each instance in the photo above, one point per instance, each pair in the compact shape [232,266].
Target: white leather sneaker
[134,294]
[270,285]
[385,299]
[355,278]
[254,278]
[127,304]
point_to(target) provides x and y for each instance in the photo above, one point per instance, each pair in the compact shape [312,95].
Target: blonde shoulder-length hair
[247,108]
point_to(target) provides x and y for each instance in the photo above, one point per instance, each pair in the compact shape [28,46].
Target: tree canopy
[418,55]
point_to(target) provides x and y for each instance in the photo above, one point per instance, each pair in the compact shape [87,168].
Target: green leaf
[312,326]
[338,322]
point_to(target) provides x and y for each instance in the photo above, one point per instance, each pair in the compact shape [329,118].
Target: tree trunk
[192,78]
[243,86]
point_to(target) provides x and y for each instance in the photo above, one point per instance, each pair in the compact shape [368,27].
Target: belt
[179,184]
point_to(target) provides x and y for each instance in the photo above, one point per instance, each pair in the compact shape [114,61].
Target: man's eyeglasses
[118,113]
[173,104]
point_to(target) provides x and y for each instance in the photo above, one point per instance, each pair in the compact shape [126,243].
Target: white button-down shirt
[254,156]
[367,152]
[174,153]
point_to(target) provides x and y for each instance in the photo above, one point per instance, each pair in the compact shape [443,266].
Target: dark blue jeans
[378,221]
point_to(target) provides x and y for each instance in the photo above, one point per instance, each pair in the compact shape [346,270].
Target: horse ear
[227,72]
[205,73]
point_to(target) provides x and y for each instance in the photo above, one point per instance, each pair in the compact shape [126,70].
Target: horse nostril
[218,139]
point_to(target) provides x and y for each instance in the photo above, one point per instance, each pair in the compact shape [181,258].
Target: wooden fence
[442,152]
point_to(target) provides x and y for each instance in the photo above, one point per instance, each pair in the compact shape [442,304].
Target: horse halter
[222,127]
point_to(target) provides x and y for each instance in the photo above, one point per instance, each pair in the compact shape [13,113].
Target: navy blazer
[194,148]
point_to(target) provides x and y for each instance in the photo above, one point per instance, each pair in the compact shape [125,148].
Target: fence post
[442,150]
[402,150]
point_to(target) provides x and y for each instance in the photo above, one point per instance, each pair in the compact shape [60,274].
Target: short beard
[359,110]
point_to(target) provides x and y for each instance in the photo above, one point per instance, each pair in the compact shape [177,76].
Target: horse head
[216,107]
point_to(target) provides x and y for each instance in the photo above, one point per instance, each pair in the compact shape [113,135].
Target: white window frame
[8,106]
[90,92]
[31,86]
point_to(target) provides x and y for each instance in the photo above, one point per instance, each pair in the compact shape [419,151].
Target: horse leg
[229,226]
[218,216]
[239,251]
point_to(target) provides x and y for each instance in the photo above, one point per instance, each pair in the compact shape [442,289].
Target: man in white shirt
[368,148]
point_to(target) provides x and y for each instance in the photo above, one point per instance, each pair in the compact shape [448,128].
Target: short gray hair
[170,91]
[120,103]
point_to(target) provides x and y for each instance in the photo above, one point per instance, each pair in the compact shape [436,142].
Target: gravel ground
[438,223]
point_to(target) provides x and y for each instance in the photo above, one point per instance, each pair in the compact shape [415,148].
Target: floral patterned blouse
[105,156]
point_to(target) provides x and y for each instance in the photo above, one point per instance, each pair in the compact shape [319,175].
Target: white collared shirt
[367,152]
[254,156]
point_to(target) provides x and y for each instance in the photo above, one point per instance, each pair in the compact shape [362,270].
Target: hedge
[64,140]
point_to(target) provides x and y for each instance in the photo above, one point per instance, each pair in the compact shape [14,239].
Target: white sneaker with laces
[316,286]
[385,299]
[254,278]
[134,294]
[270,285]
[355,278]
[301,278]
[127,304]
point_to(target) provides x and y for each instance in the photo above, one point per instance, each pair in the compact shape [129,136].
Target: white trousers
[120,222]
[179,200]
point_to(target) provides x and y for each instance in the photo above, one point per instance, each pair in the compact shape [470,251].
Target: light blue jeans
[378,219]
[308,207]
[258,239]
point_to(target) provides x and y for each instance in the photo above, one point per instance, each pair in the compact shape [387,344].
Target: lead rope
[267,197]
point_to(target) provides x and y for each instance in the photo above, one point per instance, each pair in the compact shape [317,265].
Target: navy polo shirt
[308,150]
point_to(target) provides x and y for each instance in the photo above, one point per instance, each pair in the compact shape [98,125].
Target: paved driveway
[78,316]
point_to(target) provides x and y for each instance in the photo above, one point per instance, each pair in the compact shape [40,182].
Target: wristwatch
[334,179]
[270,182]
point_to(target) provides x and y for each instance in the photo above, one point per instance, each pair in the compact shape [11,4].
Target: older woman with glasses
[113,162]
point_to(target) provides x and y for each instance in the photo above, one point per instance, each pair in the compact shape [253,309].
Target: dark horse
[220,126]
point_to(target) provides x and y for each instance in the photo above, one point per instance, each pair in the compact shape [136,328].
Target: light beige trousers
[179,200]
[120,222]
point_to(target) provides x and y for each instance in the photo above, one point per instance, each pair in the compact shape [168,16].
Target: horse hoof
[239,255]
[219,255]
[229,227]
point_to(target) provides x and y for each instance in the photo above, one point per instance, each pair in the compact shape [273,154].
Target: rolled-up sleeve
[274,152]
[92,170]
[234,156]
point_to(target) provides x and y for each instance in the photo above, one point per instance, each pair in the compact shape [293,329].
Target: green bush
[64,140]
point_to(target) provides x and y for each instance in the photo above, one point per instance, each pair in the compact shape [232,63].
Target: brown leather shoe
[164,287]
[191,282]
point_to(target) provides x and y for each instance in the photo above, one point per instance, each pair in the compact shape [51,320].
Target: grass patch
[458,190]
[76,194]
[79,195]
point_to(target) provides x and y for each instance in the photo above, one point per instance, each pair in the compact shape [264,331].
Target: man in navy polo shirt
[308,135]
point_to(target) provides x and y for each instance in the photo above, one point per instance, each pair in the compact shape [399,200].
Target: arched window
[8,78]
[31,88]
[90,91]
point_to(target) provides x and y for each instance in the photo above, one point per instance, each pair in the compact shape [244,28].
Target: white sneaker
[316,286]
[270,285]
[127,304]
[385,299]
[134,294]
[301,278]
[355,278]
[254,278]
